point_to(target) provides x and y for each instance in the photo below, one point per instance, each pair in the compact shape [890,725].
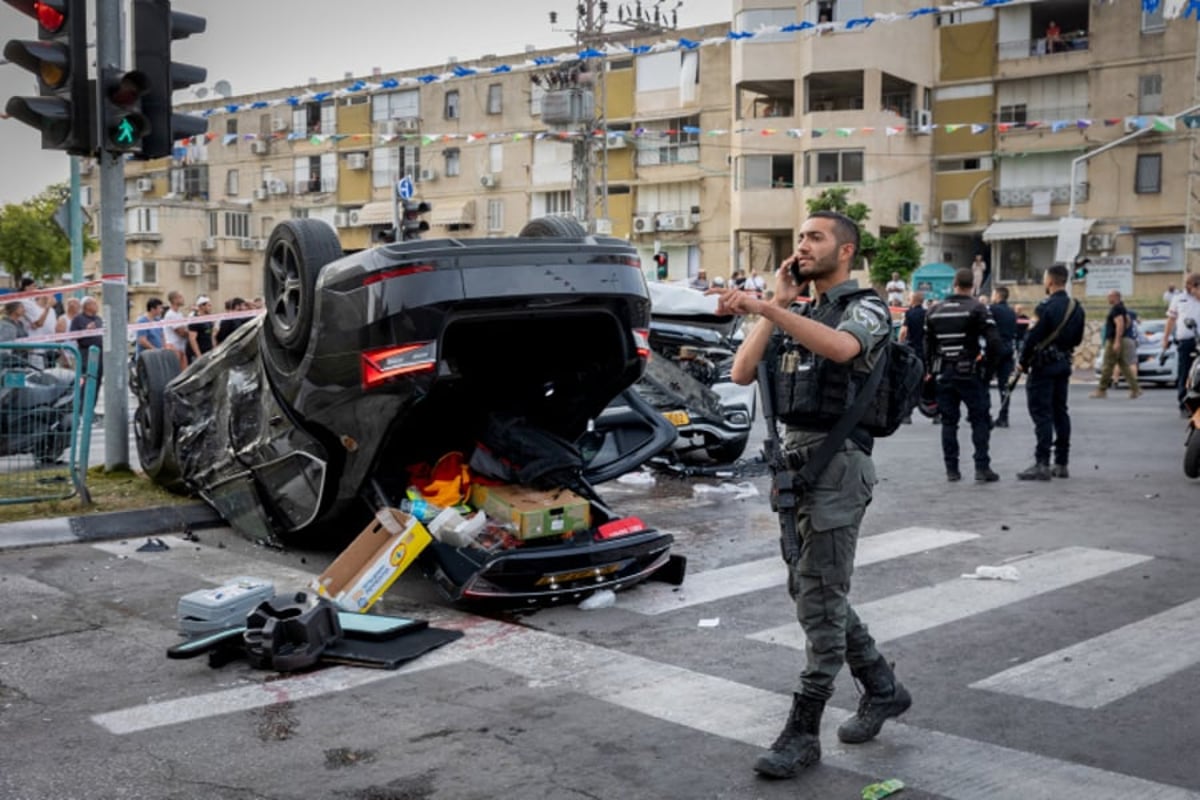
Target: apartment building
[475,146]
[1054,109]
[858,105]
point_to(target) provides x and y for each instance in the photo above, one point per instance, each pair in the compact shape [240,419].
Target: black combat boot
[1038,472]
[883,697]
[799,745]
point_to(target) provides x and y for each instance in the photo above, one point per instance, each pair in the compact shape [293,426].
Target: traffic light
[660,263]
[411,224]
[63,109]
[1081,269]
[155,26]
[124,124]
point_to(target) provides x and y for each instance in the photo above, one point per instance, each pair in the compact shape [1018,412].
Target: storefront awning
[453,213]
[379,213]
[1027,229]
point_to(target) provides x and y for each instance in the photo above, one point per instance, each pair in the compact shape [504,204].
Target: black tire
[1191,457]
[566,227]
[296,252]
[155,369]
[727,452]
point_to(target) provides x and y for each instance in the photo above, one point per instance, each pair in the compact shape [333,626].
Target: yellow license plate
[677,418]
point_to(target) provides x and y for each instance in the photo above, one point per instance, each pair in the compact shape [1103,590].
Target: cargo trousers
[827,521]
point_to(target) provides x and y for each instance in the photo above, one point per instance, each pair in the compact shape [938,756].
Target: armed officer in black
[953,330]
[1047,355]
[1006,359]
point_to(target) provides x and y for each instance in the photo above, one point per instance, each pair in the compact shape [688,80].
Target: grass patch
[118,490]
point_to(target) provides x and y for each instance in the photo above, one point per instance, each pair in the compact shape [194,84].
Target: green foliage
[899,252]
[30,241]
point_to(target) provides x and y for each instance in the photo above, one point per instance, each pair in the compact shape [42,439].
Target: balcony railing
[1023,195]
[1026,48]
[1019,116]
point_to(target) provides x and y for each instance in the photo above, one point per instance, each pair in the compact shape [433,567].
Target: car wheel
[1191,457]
[567,227]
[727,452]
[296,252]
[155,369]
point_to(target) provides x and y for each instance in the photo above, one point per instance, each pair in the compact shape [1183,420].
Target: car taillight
[396,272]
[641,340]
[388,363]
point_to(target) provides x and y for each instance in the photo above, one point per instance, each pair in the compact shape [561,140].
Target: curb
[150,521]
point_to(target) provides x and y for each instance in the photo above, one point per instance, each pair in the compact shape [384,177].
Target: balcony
[1023,195]
[1021,119]
[1027,58]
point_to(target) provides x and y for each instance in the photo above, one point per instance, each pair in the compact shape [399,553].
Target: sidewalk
[153,521]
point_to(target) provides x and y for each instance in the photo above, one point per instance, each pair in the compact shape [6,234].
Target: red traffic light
[50,16]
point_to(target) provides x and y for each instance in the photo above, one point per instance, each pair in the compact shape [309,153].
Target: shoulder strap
[1072,304]
[845,426]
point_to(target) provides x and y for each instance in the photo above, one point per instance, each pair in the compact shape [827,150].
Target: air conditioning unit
[341,220]
[1135,124]
[208,244]
[643,224]
[429,174]
[260,244]
[246,244]
[1099,241]
[911,213]
[192,269]
[260,193]
[277,186]
[353,218]
[674,222]
[616,142]
[489,181]
[279,125]
[408,124]
[356,161]
[260,147]
[955,211]
[145,185]
[921,123]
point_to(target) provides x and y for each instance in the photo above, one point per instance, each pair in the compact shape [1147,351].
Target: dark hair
[27,282]
[153,303]
[845,230]
[1058,274]
[1003,292]
[964,278]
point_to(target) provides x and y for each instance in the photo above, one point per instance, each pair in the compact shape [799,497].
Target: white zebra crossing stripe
[767,573]
[1106,668]
[921,609]
[942,764]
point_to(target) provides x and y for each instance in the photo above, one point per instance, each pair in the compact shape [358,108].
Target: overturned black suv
[305,420]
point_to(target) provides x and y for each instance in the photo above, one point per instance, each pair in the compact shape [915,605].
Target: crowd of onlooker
[189,340]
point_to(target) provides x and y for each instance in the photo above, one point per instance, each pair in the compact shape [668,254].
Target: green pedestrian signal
[124,123]
[125,133]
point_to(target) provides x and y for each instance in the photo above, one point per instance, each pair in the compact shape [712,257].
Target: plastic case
[224,607]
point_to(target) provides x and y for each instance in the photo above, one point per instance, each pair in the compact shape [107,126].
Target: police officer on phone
[815,351]
[955,360]
[1047,357]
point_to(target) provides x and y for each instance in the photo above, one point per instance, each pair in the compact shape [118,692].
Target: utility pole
[592,17]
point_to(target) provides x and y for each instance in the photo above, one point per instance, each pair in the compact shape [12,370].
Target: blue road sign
[405,188]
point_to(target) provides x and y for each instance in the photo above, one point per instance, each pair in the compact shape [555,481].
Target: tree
[896,252]
[31,243]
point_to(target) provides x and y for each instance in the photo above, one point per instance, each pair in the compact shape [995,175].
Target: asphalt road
[1077,680]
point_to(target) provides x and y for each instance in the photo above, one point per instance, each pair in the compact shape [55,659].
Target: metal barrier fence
[46,408]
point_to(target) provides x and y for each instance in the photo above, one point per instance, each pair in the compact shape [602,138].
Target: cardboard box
[373,561]
[534,513]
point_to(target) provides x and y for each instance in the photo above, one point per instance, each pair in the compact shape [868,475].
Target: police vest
[955,328]
[813,392]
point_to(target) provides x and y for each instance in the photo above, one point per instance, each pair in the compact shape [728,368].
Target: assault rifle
[1008,390]
[785,481]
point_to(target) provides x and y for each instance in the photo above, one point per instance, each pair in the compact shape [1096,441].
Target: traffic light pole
[114,301]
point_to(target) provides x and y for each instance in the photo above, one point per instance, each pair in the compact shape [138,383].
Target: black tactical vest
[812,392]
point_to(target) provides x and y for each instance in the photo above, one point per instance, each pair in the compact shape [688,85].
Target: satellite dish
[200,92]
[222,88]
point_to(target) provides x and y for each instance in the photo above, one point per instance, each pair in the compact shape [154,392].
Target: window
[495,216]
[752,20]
[496,157]
[835,166]
[543,203]
[450,109]
[231,126]
[495,98]
[396,105]
[676,141]
[453,165]
[190,182]
[1154,21]
[149,272]
[231,183]
[230,224]
[833,10]
[670,70]
[141,220]
[963,164]
[1148,179]
[766,172]
[315,173]
[1013,114]
[536,93]
[1150,100]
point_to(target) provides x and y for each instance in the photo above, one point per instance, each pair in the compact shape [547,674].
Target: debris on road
[1006,573]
